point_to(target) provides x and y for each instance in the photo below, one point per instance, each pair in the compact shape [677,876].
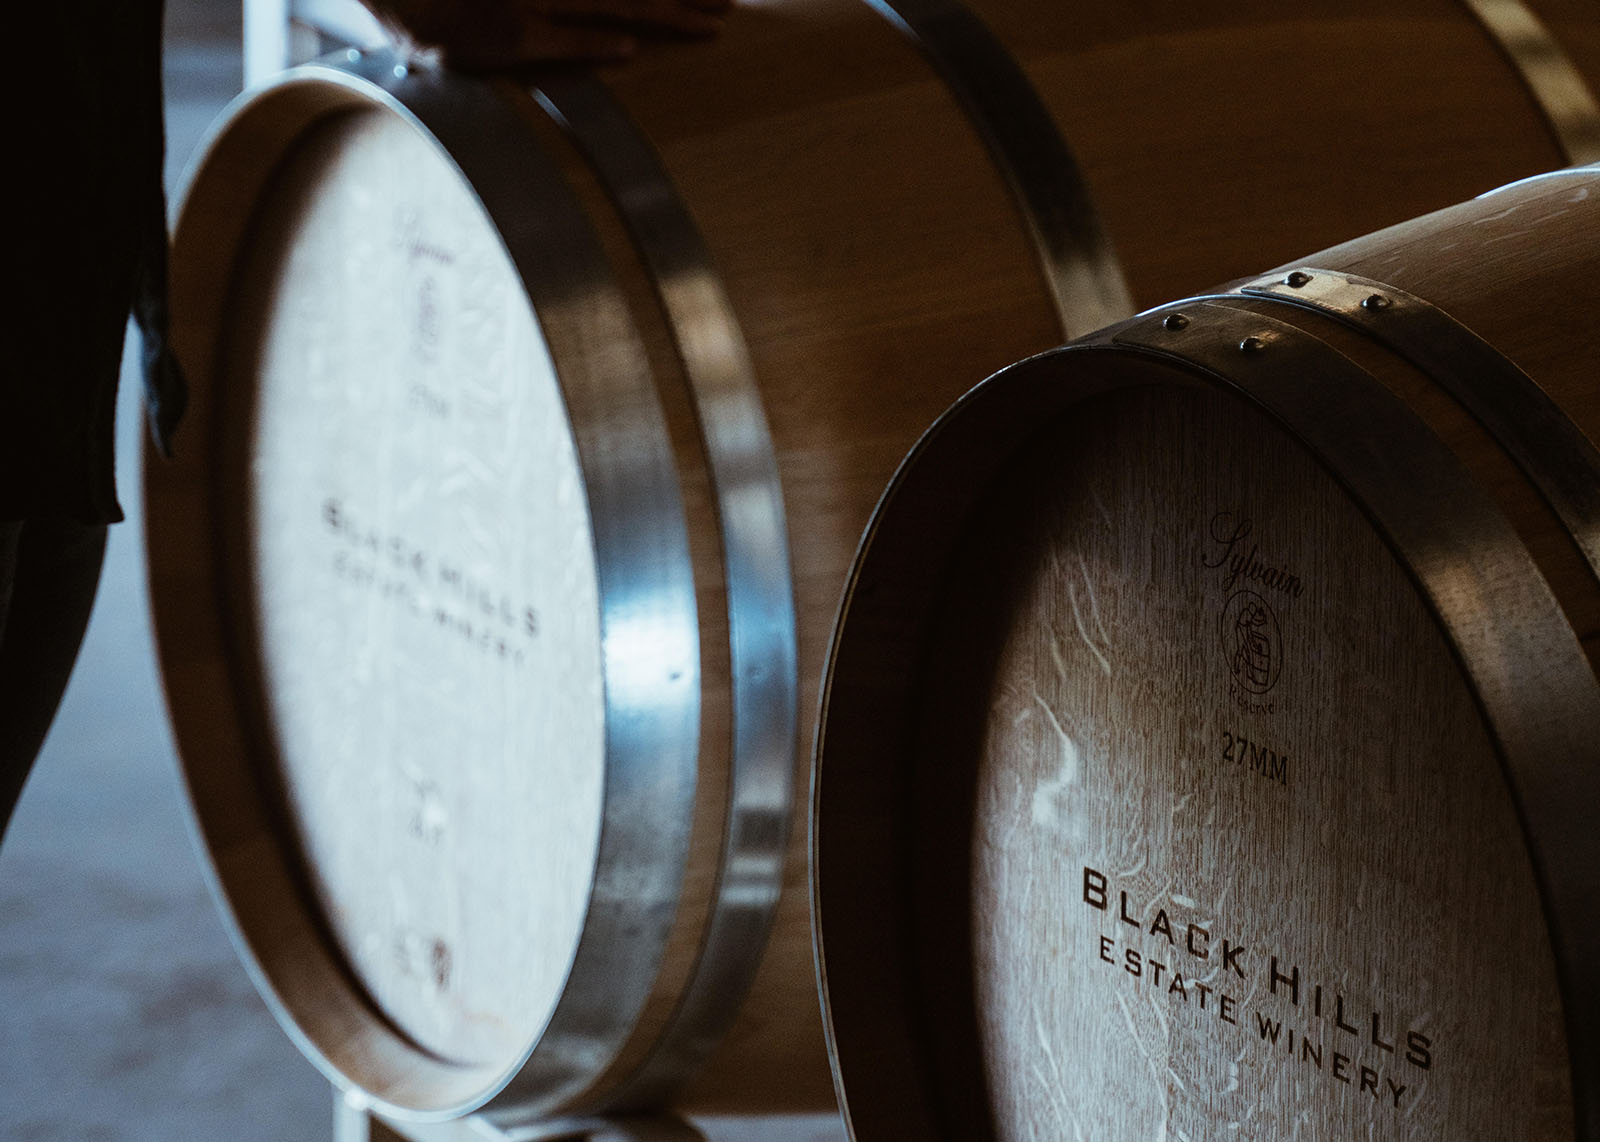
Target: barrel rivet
[353,56]
[1297,279]
[1376,301]
[1175,321]
[399,71]
[1252,345]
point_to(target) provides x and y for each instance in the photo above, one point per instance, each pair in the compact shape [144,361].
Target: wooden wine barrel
[1210,737]
[533,433]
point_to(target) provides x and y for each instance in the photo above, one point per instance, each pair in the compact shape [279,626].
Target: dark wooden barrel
[534,430]
[1209,742]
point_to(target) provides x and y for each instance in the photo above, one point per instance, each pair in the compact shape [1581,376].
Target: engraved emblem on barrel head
[1251,642]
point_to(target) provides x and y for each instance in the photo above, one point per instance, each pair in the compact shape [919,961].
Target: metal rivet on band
[1175,321]
[399,71]
[1297,279]
[1252,345]
[1376,301]
[353,55]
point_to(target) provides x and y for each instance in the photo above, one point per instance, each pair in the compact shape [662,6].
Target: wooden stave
[821,606]
[897,1099]
[916,535]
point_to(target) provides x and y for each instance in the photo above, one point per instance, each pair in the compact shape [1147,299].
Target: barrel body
[1229,674]
[534,431]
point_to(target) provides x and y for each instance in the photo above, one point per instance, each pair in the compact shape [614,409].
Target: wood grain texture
[1348,823]
[1216,143]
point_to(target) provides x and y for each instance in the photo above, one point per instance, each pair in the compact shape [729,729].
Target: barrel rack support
[278,34]
[353,1121]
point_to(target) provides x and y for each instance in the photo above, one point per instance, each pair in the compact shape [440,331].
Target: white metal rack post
[282,33]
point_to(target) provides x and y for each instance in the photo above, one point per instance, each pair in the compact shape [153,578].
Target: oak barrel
[533,432]
[1210,737]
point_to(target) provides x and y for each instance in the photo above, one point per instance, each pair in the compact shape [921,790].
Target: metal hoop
[761,613]
[1085,279]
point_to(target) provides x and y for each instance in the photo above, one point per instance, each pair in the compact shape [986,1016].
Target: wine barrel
[533,431]
[1209,741]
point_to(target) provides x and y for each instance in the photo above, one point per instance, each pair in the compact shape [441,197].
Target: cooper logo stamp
[1228,552]
[1252,643]
[1249,633]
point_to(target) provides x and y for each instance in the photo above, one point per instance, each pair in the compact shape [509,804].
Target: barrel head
[422,592]
[1193,824]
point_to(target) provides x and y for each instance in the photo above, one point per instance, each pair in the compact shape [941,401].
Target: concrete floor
[124,1013]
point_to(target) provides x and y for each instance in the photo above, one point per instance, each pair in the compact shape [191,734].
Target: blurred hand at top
[489,34]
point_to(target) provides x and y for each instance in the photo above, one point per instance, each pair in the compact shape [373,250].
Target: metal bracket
[354,1122]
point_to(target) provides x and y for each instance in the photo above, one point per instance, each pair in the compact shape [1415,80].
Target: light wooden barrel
[1210,738]
[533,433]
